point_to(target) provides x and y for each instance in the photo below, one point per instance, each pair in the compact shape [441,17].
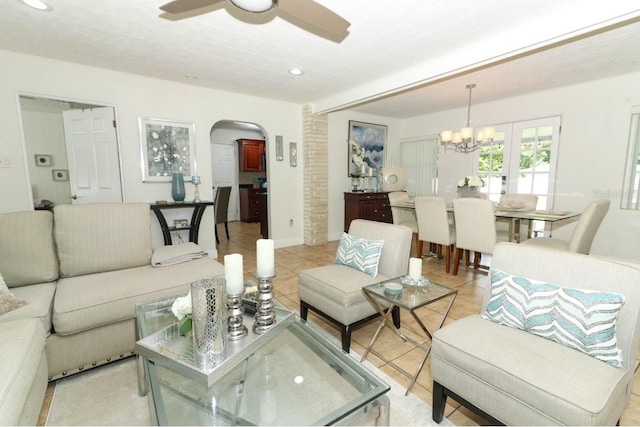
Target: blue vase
[177,187]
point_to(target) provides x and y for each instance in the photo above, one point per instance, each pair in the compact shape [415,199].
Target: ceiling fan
[306,14]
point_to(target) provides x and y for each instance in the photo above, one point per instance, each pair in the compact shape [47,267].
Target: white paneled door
[92,152]
[224,167]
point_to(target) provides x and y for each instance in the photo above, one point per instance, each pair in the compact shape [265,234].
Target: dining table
[515,216]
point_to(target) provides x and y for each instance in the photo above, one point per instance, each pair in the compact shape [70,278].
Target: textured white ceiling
[439,45]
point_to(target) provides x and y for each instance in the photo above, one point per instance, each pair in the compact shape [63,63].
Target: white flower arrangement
[471,181]
[357,156]
[181,308]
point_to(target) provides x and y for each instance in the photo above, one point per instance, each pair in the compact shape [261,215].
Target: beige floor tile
[469,282]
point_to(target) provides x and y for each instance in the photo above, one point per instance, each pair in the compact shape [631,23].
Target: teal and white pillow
[584,320]
[359,253]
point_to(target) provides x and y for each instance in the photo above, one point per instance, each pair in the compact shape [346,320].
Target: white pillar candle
[234,274]
[264,258]
[415,268]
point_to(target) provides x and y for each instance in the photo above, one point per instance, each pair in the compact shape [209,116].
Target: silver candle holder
[265,317]
[236,329]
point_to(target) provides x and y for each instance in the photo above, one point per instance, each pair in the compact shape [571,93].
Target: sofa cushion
[534,372]
[93,300]
[581,319]
[99,237]
[39,299]
[361,254]
[23,343]
[8,301]
[27,250]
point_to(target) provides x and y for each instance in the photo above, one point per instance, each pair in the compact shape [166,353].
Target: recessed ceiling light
[37,4]
[191,77]
[296,72]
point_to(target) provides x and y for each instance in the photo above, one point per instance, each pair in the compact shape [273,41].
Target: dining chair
[584,233]
[525,202]
[221,208]
[406,217]
[433,225]
[476,231]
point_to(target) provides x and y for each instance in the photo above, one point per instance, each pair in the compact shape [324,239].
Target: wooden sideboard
[371,206]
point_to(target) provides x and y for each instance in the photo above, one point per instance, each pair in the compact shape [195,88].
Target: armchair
[517,377]
[335,291]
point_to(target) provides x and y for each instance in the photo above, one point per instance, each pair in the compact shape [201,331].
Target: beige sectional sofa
[81,269]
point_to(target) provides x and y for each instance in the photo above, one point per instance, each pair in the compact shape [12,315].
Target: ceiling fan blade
[313,17]
[182,6]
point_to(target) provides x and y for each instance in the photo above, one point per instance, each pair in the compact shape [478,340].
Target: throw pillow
[359,253]
[8,302]
[584,320]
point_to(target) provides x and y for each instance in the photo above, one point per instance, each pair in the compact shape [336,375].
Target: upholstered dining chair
[221,208]
[476,231]
[406,217]
[584,233]
[433,225]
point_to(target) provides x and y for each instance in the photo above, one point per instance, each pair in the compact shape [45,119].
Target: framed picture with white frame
[166,146]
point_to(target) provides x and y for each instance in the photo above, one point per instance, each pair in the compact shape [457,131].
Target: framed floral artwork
[166,146]
[366,146]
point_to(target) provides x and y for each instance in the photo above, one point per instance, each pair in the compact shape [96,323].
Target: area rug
[108,396]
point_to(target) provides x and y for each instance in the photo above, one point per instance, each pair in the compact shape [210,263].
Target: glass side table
[411,298]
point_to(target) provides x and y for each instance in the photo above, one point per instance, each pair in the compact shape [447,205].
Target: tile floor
[469,282]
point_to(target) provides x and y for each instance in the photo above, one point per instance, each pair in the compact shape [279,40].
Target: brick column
[316,168]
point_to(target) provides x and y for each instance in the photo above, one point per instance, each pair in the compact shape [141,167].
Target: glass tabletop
[297,377]
[412,297]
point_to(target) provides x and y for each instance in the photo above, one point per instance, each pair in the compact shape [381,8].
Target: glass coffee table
[409,298]
[292,375]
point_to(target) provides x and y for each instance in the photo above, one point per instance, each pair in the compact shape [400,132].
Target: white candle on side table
[264,258]
[415,268]
[234,274]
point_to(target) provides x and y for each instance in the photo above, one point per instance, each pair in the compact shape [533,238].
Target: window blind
[419,158]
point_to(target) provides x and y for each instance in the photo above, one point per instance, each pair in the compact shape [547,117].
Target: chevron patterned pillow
[584,320]
[359,253]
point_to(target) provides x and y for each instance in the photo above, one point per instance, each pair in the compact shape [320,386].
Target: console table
[194,225]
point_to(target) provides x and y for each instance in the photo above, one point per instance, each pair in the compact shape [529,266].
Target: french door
[521,159]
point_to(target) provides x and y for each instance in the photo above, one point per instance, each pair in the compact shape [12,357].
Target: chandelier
[464,141]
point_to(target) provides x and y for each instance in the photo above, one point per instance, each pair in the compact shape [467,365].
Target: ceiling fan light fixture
[37,4]
[255,6]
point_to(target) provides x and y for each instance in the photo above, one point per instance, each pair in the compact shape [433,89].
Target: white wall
[339,182]
[591,158]
[136,96]
[595,120]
